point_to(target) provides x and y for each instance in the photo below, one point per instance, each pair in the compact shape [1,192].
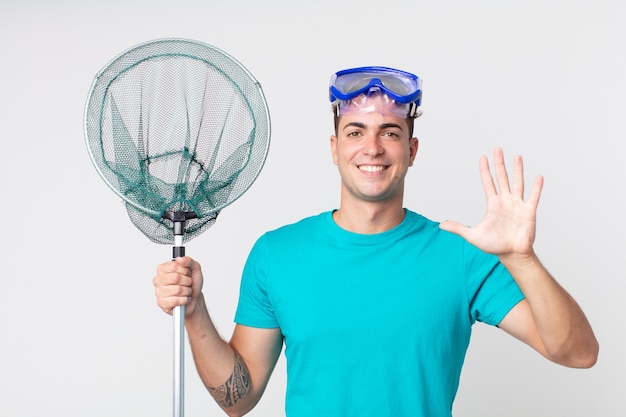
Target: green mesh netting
[176,125]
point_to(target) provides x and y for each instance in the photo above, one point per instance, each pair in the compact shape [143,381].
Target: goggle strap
[414,111]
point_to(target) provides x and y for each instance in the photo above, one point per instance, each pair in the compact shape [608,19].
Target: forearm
[220,367]
[560,323]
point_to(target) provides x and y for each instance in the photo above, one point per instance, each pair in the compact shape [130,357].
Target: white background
[80,333]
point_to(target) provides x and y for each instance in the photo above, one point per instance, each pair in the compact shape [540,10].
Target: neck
[369,218]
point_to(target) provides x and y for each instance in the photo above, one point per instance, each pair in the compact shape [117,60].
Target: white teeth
[371,168]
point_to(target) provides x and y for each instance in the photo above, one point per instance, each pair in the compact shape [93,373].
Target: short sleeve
[492,290]
[254,308]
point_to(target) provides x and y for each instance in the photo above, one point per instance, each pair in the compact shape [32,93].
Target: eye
[354,134]
[390,135]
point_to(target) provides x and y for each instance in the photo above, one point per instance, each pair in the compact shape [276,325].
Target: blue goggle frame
[401,86]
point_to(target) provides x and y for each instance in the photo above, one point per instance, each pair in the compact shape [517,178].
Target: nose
[372,145]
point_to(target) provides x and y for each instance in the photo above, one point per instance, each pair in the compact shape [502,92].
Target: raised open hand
[508,227]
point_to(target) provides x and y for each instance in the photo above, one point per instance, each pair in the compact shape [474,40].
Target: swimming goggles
[403,88]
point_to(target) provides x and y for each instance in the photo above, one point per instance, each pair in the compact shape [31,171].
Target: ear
[413,147]
[333,148]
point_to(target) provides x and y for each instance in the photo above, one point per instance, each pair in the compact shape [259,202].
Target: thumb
[186,262]
[454,227]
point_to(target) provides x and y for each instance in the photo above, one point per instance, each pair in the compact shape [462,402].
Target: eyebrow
[388,125]
[382,126]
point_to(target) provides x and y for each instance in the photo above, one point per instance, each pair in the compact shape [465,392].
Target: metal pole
[179,361]
[178,218]
[179,340]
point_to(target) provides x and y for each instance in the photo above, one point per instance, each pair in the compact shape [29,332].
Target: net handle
[179,361]
[178,218]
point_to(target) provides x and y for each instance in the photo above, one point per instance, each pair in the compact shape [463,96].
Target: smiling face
[373,152]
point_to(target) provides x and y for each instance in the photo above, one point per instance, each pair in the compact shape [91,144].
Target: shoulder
[294,232]
[306,224]
[427,228]
[426,234]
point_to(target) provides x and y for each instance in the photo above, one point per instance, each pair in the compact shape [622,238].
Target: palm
[508,227]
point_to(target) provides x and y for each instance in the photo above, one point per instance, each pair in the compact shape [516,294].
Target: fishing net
[178,129]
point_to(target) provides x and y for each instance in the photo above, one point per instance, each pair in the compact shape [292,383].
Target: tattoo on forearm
[235,387]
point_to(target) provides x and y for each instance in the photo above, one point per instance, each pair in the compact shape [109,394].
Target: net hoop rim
[206,46]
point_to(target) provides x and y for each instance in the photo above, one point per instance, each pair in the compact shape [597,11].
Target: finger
[193,268]
[187,262]
[170,267]
[178,265]
[171,296]
[485,177]
[163,279]
[518,177]
[184,261]
[168,291]
[168,304]
[454,227]
[535,194]
[501,175]
[178,276]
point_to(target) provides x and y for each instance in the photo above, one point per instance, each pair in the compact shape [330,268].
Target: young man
[374,302]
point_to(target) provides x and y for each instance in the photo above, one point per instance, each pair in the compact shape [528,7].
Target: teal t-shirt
[374,325]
